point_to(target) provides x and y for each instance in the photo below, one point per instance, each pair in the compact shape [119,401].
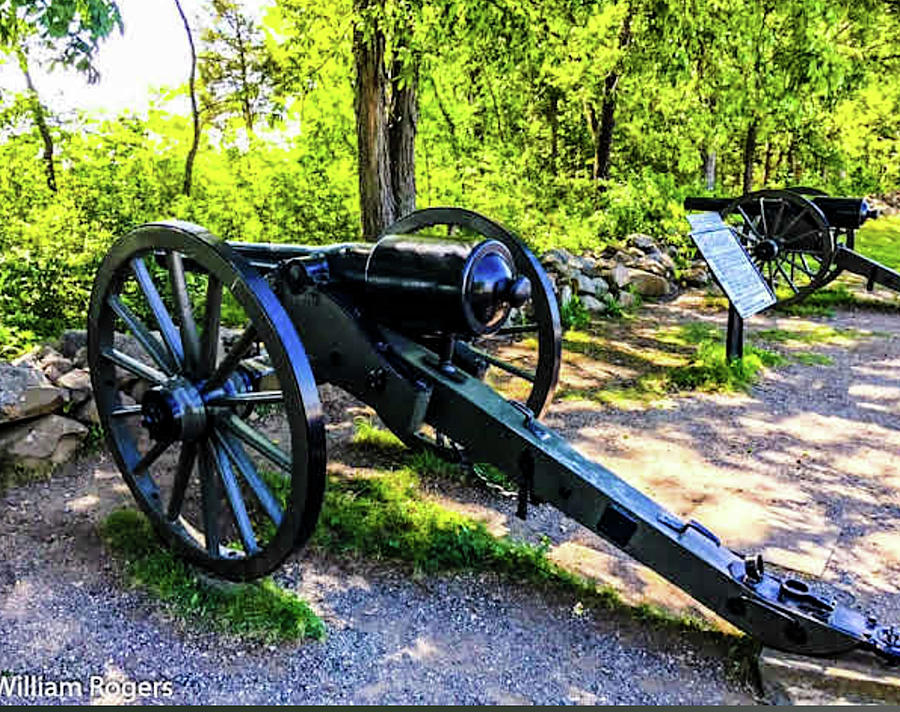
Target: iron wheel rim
[213,451]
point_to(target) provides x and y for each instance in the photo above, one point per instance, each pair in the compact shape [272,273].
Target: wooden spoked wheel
[788,239]
[233,491]
[521,360]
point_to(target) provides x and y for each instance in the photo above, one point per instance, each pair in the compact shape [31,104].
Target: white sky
[153,53]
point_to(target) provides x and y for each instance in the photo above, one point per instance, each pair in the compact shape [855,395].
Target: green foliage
[711,370]
[261,610]
[369,436]
[573,314]
[880,240]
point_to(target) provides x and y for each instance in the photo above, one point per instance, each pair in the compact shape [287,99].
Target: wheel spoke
[232,360]
[778,218]
[793,222]
[797,238]
[504,365]
[248,471]
[250,397]
[190,341]
[142,335]
[152,456]
[749,223]
[123,411]
[785,275]
[236,502]
[182,477]
[256,440]
[132,365]
[210,347]
[762,217]
[160,313]
[209,493]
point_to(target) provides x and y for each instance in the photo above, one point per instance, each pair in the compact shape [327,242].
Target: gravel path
[460,639]
[817,440]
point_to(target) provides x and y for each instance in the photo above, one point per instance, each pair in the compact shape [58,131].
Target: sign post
[748,293]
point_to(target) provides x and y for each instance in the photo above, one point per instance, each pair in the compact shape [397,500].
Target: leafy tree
[235,67]
[70,30]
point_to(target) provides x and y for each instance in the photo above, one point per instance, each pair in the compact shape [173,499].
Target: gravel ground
[393,638]
[473,638]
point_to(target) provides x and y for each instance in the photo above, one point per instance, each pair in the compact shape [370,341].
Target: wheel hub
[175,412]
[767,250]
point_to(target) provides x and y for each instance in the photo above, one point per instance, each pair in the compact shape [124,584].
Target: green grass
[808,359]
[880,240]
[368,436]
[385,516]
[259,611]
[701,349]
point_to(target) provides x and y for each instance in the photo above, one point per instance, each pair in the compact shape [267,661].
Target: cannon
[800,238]
[433,327]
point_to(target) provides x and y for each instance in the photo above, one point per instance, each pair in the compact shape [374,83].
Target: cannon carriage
[225,451]
[800,239]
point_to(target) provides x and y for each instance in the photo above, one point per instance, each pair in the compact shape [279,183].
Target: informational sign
[741,281]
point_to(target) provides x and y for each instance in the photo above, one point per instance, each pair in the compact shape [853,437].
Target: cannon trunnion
[225,452]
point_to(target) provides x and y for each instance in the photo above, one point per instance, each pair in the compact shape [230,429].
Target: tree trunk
[767,164]
[749,154]
[553,116]
[376,199]
[40,120]
[246,107]
[603,147]
[603,137]
[195,113]
[590,114]
[709,169]
[402,140]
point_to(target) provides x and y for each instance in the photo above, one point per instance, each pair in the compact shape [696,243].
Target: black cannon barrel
[711,204]
[843,213]
[415,283]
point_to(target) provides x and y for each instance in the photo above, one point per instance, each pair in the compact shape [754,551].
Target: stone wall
[616,276]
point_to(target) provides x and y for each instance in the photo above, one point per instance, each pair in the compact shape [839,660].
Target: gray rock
[87,411]
[55,365]
[25,393]
[593,305]
[559,260]
[72,340]
[663,259]
[50,440]
[647,284]
[78,382]
[648,264]
[583,284]
[644,243]
[626,300]
[565,294]
[80,359]
[619,276]
[696,276]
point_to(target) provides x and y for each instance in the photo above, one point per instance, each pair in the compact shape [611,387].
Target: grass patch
[368,436]
[385,516]
[880,240]
[710,370]
[696,361]
[260,610]
[808,359]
